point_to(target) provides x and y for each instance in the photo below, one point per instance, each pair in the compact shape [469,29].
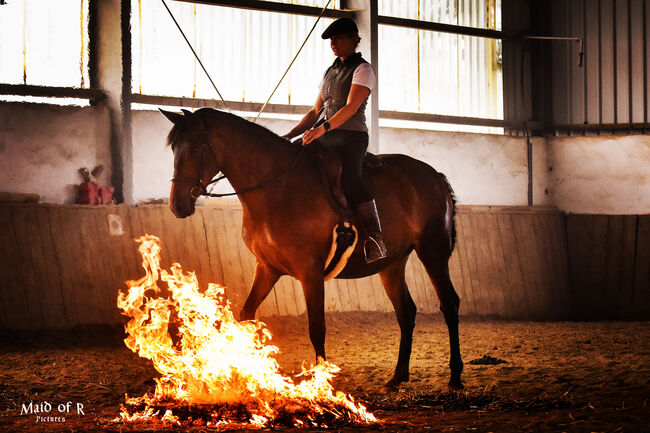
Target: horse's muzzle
[180,213]
[185,205]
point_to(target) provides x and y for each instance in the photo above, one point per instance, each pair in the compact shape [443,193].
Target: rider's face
[343,45]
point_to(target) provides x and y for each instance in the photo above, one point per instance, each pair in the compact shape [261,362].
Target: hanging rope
[195,55]
[294,59]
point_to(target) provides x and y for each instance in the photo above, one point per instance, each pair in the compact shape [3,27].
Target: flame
[216,370]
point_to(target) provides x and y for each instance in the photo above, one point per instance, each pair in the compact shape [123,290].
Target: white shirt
[363,75]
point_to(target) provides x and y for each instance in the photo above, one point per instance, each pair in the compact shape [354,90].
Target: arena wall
[62,266]
[580,253]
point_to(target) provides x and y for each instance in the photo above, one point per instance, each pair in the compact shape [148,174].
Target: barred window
[245,51]
[44,43]
[425,71]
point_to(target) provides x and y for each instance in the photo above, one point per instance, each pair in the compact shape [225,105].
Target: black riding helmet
[342,26]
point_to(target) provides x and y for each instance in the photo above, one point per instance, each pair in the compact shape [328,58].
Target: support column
[366,13]
[110,71]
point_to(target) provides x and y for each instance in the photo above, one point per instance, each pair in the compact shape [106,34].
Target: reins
[200,189]
[265,183]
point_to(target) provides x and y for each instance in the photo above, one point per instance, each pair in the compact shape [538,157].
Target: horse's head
[194,161]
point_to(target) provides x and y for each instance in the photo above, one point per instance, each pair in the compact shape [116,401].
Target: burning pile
[216,371]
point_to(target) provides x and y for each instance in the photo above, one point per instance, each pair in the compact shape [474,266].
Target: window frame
[271,6]
[414,24]
[91,93]
[94,94]
[247,107]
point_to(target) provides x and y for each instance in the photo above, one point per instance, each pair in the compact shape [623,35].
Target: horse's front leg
[264,280]
[314,289]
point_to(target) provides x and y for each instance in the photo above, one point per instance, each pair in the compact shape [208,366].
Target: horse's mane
[252,130]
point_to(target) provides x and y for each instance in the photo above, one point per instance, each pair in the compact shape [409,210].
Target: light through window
[432,72]
[44,43]
[245,51]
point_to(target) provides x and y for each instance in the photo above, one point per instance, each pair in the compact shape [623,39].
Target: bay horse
[288,222]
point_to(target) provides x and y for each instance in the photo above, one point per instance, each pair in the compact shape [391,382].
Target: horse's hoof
[244,316]
[456,385]
[393,383]
[389,388]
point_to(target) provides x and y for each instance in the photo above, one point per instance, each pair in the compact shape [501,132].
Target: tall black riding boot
[374,247]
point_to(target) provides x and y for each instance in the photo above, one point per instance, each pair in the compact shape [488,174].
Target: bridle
[199,189]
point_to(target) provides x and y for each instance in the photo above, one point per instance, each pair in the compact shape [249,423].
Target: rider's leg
[374,247]
[351,146]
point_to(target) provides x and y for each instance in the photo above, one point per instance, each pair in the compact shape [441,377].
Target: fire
[216,371]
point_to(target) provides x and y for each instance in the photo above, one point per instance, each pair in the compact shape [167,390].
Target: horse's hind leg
[436,264]
[263,282]
[395,285]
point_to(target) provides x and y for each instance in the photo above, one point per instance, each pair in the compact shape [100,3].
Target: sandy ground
[565,376]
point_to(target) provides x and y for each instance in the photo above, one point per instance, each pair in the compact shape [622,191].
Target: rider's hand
[312,135]
[287,137]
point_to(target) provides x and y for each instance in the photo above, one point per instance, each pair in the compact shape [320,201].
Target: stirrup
[377,250]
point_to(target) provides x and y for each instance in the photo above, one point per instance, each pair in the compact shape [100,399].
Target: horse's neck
[249,160]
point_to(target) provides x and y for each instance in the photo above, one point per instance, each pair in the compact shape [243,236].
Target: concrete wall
[153,160]
[600,174]
[43,146]
[482,168]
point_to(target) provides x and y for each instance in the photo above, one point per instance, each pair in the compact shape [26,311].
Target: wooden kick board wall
[609,258]
[60,267]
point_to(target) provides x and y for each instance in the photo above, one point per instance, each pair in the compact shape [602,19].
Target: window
[245,51]
[424,71]
[484,14]
[44,43]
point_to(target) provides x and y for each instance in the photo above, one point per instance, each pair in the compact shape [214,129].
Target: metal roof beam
[270,6]
[439,27]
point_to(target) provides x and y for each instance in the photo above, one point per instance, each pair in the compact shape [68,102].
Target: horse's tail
[451,213]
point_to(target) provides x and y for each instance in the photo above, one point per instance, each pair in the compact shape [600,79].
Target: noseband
[199,189]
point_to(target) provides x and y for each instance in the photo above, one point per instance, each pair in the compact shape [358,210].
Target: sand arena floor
[557,376]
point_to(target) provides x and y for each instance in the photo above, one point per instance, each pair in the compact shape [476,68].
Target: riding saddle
[327,163]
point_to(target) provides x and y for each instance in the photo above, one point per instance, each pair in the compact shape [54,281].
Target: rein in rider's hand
[312,135]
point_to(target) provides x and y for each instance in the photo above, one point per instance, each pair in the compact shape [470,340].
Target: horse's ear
[186,112]
[175,118]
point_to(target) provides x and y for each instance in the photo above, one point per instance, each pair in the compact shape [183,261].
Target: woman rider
[338,121]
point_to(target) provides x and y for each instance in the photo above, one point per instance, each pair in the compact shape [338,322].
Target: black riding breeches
[351,147]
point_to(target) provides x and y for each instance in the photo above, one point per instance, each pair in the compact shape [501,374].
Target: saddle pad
[344,240]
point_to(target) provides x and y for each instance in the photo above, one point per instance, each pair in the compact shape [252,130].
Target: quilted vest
[336,87]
